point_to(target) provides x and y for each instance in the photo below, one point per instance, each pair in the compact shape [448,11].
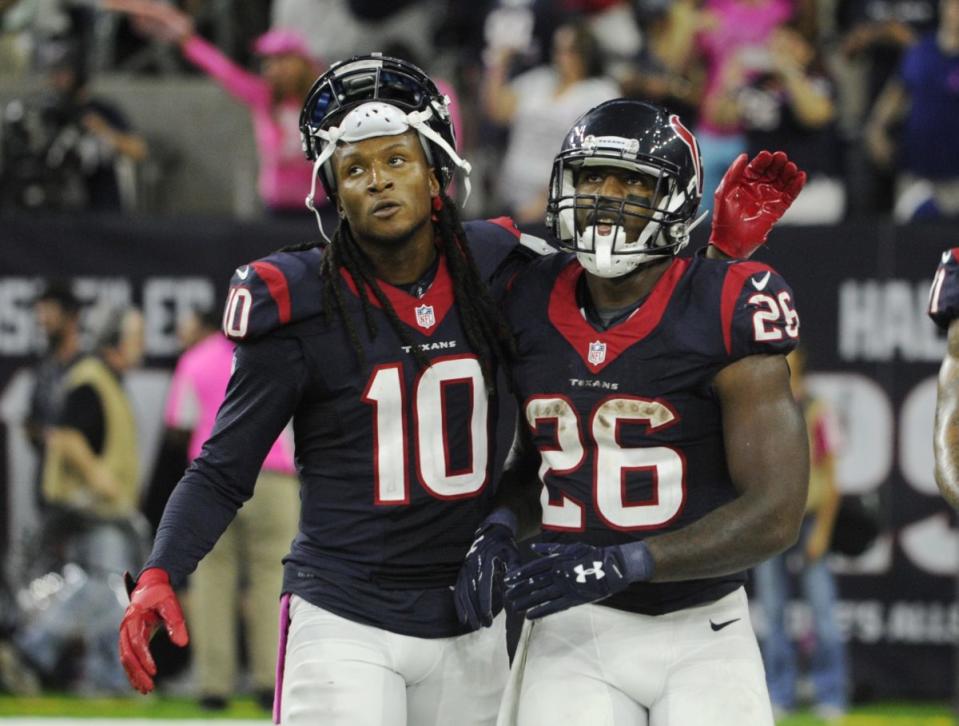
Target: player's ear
[434,183]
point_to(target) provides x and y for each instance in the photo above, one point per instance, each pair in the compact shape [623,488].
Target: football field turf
[155,711]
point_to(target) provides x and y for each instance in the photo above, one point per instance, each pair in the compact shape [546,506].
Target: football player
[944,311]
[382,346]
[659,446]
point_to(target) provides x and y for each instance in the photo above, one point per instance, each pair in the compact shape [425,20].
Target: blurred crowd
[860,93]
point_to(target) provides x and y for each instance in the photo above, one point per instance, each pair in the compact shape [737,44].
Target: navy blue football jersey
[944,294]
[395,461]
[625,420]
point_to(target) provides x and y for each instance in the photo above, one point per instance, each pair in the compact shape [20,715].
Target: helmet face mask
[375,78]
[628,138]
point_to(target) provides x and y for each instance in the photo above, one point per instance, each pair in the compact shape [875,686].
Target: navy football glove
[575,574]
[479,587]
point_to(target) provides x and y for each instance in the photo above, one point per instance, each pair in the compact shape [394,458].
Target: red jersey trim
[279,290]
[736,277]
[565,316]
[506,223]
[439,297]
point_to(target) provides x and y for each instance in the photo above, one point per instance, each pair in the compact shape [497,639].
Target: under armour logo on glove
[582,572]
[574,574]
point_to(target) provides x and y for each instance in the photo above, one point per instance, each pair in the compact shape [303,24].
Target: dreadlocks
[485,329]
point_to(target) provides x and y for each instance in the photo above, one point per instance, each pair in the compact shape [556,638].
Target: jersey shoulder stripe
[277,290]
[757,311]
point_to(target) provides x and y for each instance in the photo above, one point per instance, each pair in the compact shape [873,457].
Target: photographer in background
[65,149]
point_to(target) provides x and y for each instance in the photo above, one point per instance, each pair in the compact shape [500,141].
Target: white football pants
[341,673]
[603,667]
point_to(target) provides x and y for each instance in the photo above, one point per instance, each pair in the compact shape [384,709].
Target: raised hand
[750,199]
[158,20]
[152,604]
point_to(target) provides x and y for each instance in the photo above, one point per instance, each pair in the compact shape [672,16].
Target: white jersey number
[385,392]
[612,462]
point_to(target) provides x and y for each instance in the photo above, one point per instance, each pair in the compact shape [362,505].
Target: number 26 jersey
[625,420]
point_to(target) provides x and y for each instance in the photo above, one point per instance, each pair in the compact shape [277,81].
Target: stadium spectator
[873,36]
[732,40]
[252,546]
[63,150]
[539,106]
[274,95]
[790,106]
[828,662]
[57,311]
[667,70]
[344,28]
[91,472]
[924,97]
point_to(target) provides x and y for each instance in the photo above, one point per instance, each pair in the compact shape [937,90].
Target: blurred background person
[790,106]
[90,472]
[539,106]
[873,35]
[68,148]
[816,581]
[667,70]
[57,312]
[239,581]
[731,39]
[912,128]
[274,96]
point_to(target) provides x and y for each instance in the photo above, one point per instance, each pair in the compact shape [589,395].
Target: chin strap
[320,161]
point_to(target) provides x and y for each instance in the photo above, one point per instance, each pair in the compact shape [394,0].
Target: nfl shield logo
[597,352]
[424,316]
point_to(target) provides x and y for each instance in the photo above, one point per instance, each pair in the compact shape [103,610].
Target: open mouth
[603,222]
[385,209]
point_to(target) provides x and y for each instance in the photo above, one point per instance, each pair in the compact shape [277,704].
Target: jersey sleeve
[944,294]
[272,292]
[267,383]
[758,311]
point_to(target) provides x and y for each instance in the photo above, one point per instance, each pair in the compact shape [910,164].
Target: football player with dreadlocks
[658,445]
[382,345]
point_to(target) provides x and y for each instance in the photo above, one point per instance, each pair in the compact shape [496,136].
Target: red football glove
[750,200]
[152,602]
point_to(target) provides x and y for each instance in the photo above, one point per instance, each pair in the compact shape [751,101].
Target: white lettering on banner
[165,299]
[866,420]
[879,320]
[932,545]
[916,419]
[870,622]
[865,462]
[17,328]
